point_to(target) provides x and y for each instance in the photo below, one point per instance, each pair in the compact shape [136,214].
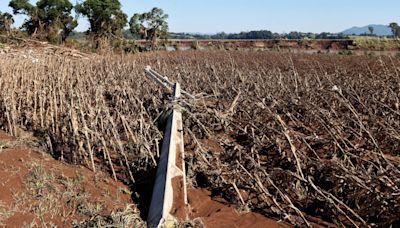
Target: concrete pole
[169,200]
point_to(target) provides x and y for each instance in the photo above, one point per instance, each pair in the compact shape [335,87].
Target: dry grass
[309,136]
[127,217]
[50,198]
[376,43]
[5,213]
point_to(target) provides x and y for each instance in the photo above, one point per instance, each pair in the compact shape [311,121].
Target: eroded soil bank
[37,190]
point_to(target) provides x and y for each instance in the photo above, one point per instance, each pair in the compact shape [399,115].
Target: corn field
[309,139]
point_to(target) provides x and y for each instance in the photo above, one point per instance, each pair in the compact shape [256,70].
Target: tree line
[52,20]
[265,34]
[260,34]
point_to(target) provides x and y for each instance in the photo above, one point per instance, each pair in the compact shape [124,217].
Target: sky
[212,16]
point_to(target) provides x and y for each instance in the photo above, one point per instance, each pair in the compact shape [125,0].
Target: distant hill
[380,30]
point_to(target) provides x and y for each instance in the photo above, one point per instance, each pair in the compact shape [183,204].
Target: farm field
[303,139]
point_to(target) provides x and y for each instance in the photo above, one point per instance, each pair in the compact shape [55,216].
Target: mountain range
[380,30]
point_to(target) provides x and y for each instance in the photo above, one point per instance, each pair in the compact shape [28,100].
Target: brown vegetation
[303,138]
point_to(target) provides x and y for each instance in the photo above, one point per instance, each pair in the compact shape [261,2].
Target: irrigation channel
[169,198]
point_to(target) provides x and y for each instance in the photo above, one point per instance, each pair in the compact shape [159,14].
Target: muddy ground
[39,191]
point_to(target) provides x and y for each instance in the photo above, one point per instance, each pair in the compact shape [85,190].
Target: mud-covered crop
[309,139]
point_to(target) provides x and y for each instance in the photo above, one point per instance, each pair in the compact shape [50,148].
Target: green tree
[105,17]
[33,23]
[21,7]
[395,29]
[57,18]
[371,30]
[49,18]
[6,20]
[150,25]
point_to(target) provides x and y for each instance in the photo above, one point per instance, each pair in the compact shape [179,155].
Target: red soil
[19,199]
[216,214]
[5,137]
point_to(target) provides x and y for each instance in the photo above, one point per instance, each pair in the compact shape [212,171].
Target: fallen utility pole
[169,197]
[163,81]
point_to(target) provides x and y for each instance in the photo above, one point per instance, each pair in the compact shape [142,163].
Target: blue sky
[211,16]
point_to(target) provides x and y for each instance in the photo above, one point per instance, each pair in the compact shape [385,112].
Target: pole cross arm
[163,81]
